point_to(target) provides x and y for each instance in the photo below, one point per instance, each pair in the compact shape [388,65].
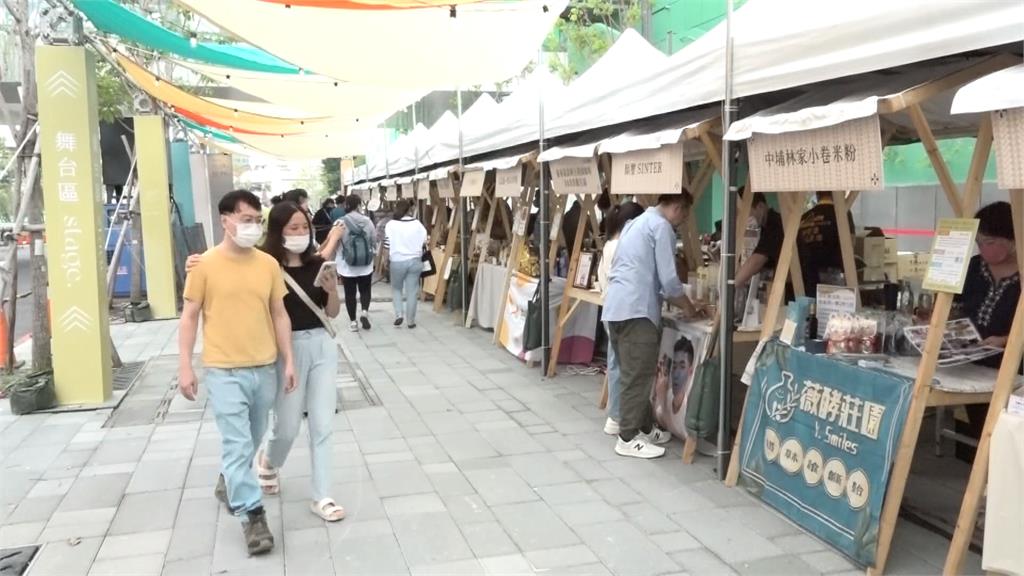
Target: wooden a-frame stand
[923,395]
[519,239]
[481,229]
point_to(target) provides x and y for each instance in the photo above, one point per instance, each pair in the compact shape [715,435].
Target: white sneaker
[706,448]
[657,436]
[353,326]
[638,447]
[611,427]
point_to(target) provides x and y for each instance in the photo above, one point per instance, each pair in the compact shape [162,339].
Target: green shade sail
[113,18]
[212,132]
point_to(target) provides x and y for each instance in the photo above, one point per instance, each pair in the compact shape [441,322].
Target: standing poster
[951,255]
[683,347]
[819,438]
[846,156]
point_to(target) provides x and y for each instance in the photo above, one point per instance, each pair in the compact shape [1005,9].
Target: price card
[834,300]
[951,254]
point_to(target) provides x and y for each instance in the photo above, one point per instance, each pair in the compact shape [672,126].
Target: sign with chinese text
[509,183]
[407,190]
[575,176]
[155,205]
[847,156]
[66,80]
[951,254]
[472,183]
[648,172]
[819,437]
[445,188]
[391,192]
[834,300]
[1008,136]
[423,189]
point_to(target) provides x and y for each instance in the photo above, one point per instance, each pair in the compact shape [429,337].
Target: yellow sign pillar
[155,203]
[66,80]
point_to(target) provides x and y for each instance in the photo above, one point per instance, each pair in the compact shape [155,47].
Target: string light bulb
[192,40]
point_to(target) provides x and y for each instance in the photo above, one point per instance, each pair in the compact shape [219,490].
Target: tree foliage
[330,175]
[588,29]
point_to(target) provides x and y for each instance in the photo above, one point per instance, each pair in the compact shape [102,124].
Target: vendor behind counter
[818,243]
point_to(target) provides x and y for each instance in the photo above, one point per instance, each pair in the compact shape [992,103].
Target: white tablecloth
[490,279]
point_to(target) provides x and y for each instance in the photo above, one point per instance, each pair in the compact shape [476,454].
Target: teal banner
[181,181]
[819,438]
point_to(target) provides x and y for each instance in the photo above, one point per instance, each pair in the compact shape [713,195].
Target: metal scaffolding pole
[545,225]
[728,287]
[463,227]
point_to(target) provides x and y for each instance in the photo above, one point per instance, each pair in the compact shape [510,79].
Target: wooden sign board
[1008,136]
[847,156]
[407,191]
[423,189]
[576,176]
[472,184]
[509,183]
[445,189]
[391,194]
[648,172]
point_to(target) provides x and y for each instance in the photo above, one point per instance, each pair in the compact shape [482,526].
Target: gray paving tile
[447,479]
[570,493]
[586,513]
[467,508]
[308,551]
[799,544]
[828,561]
[542,469]
[399,479]
[410,505]
[511,440]
[360,501]
[616,492]
[508,565]
[188,567]
[49,488]
[136,544]
[65,559]
[471,567]
[727,535]
[488,539]
[429,539]
[534,526]
[21,534]
[624,549]
[95,492]
[676,542]
[500,486]
[557,559]
[146,511]
[34,510]
[159,475]
[142,565]
[467,445]
[649,518]
[701,561]
[781,565]
[194,540]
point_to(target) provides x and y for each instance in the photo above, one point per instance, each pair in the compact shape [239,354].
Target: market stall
[828,437]
[444,233]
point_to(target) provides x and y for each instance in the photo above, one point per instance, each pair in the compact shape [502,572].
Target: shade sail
[780,44]
[997,91]
[372,4]
[312,146]
[314,94]
[487,42]
[112,18]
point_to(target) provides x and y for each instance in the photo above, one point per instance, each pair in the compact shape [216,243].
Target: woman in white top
[406,237]
[617,218]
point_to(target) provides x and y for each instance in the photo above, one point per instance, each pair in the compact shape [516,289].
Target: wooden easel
[519,240]
[495,211]
[438,232]
[450,249]
[923,395]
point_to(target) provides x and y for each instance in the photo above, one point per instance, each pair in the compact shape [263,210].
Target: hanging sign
[818,442]
[472,184]
[423,189]
[575,176]
[66,80]
[406,191]
[952,247]
[648,172]
[847,156]
[1007,127]
[391,193]
[445,188]
[508,183]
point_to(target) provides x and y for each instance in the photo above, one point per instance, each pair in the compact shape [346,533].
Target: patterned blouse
[988,302]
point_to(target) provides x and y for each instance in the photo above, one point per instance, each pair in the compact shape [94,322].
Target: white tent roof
[312,94]
[779,44]
[444,144]
[423,48]
[997,91]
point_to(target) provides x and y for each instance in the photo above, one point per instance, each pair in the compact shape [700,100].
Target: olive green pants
[636,343]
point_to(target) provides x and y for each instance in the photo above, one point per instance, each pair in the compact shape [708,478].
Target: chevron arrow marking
[75,319]
[62,83]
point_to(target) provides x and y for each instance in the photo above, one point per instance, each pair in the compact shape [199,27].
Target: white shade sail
[313,146]
[486,42]
[997,91]
[312,94]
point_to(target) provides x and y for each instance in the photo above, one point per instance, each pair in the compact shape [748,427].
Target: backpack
[356,250]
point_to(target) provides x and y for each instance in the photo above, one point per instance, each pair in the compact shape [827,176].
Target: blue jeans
[614,382]
[405,286]
[241,400]
[316,368]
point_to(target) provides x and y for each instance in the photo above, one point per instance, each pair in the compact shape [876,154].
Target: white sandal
[270,484]
[328,510]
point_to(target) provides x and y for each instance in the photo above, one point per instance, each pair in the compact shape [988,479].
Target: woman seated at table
[992,289]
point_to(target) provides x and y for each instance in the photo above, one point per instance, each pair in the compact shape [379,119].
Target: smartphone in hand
[330,266]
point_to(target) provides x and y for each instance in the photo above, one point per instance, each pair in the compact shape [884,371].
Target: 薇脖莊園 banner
[819,438]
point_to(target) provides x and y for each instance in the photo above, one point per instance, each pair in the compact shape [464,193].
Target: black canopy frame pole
[727,288]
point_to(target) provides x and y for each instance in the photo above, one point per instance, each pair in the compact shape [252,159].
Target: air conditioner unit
[143,104]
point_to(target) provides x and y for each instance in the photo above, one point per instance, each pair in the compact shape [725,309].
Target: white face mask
[296,244]
[247,235]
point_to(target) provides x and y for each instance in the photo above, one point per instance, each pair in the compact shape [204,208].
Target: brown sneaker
[258,539]
[221,492]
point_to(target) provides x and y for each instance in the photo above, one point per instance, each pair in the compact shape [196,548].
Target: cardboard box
[871,250]
[873,274]
[891,252]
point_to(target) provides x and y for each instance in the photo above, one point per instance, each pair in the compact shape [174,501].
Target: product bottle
[812,323]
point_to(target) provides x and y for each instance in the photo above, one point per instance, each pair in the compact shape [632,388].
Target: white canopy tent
[485,42]
[998,91]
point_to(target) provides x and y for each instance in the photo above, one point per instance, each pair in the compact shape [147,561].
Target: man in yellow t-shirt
[239,291]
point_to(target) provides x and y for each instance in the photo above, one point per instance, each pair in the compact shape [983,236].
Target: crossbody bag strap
[309,303]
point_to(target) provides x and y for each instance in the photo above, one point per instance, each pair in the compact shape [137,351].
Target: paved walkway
[460,461]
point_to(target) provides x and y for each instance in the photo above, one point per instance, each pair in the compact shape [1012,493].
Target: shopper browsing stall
[406,238]
[818,243]
[355,262]
[642,277]
[618,216]
[769,245]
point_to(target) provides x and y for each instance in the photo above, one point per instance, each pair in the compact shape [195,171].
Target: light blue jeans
[614,384]
[316,369]
[241,400]
[405,287]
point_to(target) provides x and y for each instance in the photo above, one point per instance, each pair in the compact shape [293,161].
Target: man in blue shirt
[643,276]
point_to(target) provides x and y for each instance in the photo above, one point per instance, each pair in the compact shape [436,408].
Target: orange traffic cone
[3,338]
